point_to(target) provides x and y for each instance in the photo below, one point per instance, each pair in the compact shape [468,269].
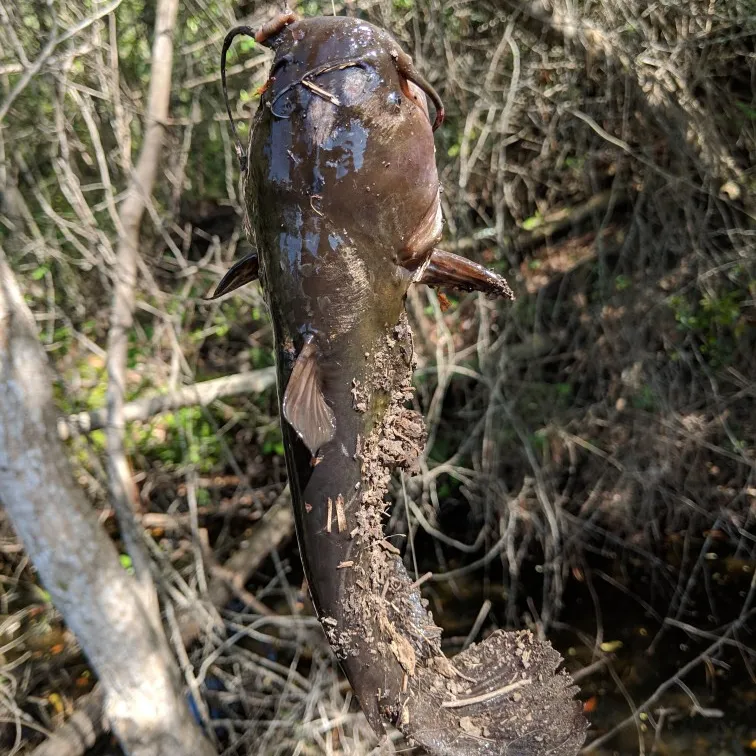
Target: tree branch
[275,527]
[202,394]
[76,561]
[49,49]
[81,730]
[122,491]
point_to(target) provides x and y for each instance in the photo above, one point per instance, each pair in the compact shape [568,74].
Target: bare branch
[80,732]
[52,43]
[76,560]
[276,527]
[122,490]
[201,394]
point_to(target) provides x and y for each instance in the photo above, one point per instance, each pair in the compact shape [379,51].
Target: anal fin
[304,405]
[243,272]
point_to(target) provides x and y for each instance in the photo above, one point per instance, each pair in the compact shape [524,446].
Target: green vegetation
[716,322]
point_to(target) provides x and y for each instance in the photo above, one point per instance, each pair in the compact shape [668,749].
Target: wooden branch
[80,730]
[122,491]
[76,561]
[554,223]
[75,736]
[276,527]
[202,394]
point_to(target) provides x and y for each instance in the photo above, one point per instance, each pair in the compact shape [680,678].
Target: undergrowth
[590,469]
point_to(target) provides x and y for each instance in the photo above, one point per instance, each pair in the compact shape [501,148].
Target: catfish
[342,205]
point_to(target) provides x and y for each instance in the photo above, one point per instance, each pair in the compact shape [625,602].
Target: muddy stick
[342,206]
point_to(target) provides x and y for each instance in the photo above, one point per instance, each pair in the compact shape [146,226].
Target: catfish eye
[394,101]
[282,61]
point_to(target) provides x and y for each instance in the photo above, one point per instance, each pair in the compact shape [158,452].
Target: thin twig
[483,697]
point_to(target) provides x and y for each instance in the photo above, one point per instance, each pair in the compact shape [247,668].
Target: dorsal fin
[304,405]
[243,272]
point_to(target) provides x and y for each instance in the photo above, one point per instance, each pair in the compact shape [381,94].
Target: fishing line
[306,81]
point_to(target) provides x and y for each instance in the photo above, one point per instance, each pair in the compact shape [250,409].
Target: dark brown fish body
[336,191]
[342,200]
[333,201]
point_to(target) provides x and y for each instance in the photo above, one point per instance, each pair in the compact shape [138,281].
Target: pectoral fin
[448,269]
[243,272]
[304,405]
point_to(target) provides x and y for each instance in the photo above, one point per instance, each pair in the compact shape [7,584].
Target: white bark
[77,562]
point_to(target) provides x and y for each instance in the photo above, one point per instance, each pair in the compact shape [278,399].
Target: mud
[384,597]
[501,696]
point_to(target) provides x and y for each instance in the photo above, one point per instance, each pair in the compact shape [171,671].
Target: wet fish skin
[335,194]
[342,204]
[338,190]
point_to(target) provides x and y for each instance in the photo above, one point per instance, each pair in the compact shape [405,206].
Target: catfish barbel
[342,206]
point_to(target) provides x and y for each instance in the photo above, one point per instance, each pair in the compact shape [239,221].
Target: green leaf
[746,109]
[622,282]
[43,594]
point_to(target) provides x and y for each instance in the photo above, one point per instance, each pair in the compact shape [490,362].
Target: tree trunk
[77,562]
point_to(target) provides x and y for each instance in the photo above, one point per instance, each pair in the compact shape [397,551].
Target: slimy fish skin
[342,205]
[342,196]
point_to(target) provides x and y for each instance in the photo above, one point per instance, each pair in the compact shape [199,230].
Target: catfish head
[344,124]
[343,119]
